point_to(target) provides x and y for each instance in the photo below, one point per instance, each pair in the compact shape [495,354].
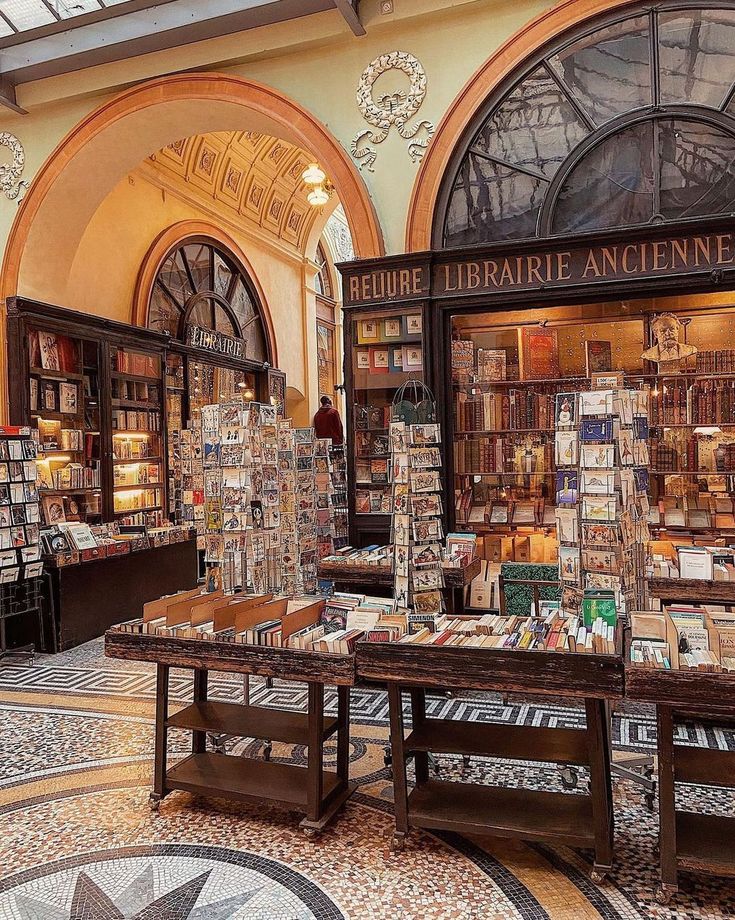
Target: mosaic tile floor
[78,841]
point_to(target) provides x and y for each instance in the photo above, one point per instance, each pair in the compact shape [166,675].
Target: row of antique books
[702,402]
[510,409]
[136,420]
[502,454]
[553,630]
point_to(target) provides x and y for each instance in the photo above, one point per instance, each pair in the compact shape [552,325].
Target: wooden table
[316,792]
[570,820]
[456,578]
[692,590]
[687,840]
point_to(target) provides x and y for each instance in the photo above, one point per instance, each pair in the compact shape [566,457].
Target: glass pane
[222,275]
[697,174]
[535,126]
[609,71]
[162,314]
[199,258]
[697,53]
[201,315]
[222,322]
[173,275]
[612,186]
[27,14]
[255,347]
[492,202]
[242,303]
[69,8]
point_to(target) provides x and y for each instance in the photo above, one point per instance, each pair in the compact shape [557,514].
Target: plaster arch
[118,135]
[529,39]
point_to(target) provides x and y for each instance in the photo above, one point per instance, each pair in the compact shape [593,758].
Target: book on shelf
[540,351]
[598,356]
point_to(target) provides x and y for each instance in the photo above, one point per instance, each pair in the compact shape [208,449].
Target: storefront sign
[214,341]
[645,258]
[496,270]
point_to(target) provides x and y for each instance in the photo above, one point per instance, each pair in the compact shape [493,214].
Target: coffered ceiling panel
[254,177]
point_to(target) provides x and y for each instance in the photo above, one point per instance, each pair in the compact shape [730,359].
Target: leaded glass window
[200,283]
[631,122]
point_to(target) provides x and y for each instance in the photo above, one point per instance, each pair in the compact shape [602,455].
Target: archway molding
[120,133]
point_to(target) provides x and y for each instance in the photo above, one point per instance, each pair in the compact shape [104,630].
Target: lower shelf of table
[527,814]
[249,722]
[243,779]
[452,736]
[705,843]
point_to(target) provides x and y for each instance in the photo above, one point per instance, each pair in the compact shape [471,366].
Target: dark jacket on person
[328,424]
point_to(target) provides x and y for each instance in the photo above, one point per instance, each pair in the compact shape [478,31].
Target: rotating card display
[417,522]
[267,499]
[601,450]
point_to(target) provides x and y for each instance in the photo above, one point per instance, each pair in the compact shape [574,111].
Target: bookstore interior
[536,497]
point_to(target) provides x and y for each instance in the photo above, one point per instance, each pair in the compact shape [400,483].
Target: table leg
[598,746]
[315,763]
[159,762]
[666,803]
[343,735]
[418,718]
[400,786]
[199,739]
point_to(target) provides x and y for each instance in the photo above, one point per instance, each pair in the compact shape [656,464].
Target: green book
[599,604]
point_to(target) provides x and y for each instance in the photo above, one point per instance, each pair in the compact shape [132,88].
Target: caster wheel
[311,833]
[597,876]
[398,842]
[267,750]
[663,896]
[569,778]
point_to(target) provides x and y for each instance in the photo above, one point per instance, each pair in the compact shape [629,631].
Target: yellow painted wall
[317,62]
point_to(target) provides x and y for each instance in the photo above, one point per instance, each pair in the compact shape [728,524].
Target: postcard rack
[22,599]
[584,821]
[688,841]
[317,793]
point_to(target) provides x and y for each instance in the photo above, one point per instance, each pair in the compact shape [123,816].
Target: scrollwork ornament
[391,109]
[10,173]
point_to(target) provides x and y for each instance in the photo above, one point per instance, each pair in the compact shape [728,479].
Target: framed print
[392,327]
[368,330]
[500,513]
[414,325]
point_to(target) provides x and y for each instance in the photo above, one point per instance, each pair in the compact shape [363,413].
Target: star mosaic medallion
[165,883]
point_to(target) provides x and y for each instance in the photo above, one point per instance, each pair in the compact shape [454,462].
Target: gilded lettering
[680,250]
[724,247]
[703,250]
[534,269]
[506,274]
[562,263]
[591,267]
[491,270]
[447,275]
[416,276]
[625,264]
[609,260]
[473,275]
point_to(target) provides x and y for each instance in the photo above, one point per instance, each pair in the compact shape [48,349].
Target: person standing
[327,423]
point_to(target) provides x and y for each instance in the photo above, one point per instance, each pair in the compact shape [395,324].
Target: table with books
[246,634]
[549,654]
[683,661]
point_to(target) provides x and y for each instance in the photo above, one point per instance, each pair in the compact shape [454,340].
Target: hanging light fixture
[318,196]
[313,174]
[320,188]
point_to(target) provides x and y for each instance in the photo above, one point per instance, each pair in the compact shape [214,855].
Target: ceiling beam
[348,9]
[7,96]
[150,28]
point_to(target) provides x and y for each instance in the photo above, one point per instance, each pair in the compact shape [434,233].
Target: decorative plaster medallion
[10,173]
[391,109]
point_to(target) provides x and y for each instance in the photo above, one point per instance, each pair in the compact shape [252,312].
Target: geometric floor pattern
[78,841]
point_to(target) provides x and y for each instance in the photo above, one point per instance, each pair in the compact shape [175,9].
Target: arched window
[630,123]
[202,284]
[323,280]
